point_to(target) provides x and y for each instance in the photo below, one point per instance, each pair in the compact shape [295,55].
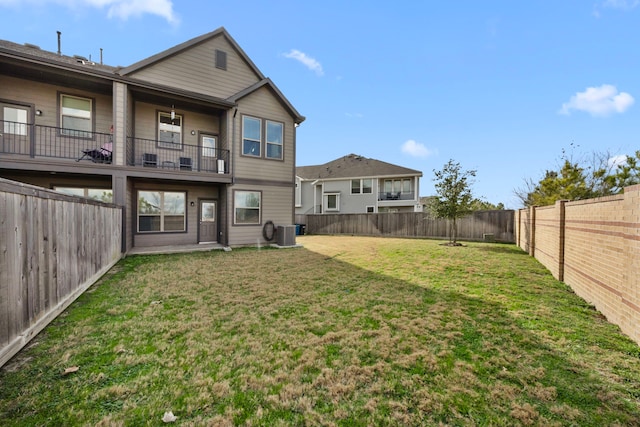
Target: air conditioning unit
[286,235]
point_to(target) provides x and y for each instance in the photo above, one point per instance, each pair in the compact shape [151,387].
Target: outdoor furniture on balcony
[98,155]
[150,160]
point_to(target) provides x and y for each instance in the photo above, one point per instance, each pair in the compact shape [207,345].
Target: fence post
[532,231]
[560,204]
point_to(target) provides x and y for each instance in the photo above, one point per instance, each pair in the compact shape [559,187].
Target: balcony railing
[34,141]
[150,153]
[47,141]
[396,195]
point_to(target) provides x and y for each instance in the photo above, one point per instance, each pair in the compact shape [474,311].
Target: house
[195,143]
[356,184]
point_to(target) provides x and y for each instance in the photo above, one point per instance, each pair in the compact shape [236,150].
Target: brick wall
[594,247]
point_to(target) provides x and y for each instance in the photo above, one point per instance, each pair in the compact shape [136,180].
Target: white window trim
[170,145]
[326,202]
[235,216]
[71,131]
[267,143]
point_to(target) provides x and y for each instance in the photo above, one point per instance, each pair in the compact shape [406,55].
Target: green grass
[346,332]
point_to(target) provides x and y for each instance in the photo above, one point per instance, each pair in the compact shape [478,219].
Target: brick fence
[594,247]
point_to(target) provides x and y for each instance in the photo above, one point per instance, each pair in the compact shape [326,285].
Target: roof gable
[352,166]
[191,66]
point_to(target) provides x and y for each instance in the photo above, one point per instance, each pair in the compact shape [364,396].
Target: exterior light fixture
[173,113]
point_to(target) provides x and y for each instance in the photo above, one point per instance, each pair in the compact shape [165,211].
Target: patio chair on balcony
[150,160]
[98,155]
[185,164]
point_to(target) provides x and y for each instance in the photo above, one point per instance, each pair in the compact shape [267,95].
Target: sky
[502,87]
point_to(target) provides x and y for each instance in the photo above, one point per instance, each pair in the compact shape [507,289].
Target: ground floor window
[101,194]
[332,202]
[161,211]
[247,205]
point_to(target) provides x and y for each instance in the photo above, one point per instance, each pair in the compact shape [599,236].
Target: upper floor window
[274,140]
[251,136]
[169,130]
[15,120]
[361,186]
[76,116]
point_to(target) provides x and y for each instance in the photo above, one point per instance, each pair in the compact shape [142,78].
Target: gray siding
[264,105]
[276,207]
[194,70]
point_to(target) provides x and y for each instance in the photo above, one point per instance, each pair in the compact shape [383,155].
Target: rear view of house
[195,142]
[356,184]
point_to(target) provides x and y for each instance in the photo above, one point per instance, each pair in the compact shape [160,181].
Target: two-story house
[356,184]
[195,142]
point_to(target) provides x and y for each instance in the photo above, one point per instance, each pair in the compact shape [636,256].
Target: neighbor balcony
[38,142]
[396,196]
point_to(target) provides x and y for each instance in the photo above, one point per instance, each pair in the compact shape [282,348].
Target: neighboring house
[356,184]
[195,142]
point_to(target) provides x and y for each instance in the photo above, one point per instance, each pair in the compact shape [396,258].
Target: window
[76,116]
[15,121]
[371,209]
[208,146]
[169,131]
[251,136]
[361,186]
[161,211]
[247,207]
[274,140]
[332,202]
[100,194]
[221,59]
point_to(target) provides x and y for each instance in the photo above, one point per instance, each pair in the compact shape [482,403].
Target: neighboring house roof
[352,166]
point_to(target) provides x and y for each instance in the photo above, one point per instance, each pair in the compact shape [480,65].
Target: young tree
[453,195]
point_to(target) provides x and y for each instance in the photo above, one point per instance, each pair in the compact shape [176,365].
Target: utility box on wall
[286,235]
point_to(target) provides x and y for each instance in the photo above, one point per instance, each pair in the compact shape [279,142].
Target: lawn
[347,331]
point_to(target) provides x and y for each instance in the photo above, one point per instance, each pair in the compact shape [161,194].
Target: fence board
[52,248]
[476,226]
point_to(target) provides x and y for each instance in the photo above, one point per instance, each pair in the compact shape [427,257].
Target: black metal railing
[48,141]
[396,195]
[150,153]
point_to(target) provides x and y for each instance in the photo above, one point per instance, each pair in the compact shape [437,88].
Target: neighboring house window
[247,207]
[169,130]
[76,116]
[15,121]
[221,59]
[332,202]
[274,140]
[406,185]
[161,211]
[100,194]
[298,193]
[361,186]
[251,136]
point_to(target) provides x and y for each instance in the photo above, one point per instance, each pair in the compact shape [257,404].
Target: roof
[33,54]
[352,166]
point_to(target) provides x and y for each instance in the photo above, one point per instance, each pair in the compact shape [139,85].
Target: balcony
[396,196]
[149,153]
[37,141]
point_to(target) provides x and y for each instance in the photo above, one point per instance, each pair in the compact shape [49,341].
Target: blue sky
[500,86]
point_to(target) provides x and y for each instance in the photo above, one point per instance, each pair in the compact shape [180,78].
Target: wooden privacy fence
[52,248]
[480,225]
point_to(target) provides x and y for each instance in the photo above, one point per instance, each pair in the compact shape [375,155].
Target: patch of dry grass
[348,331]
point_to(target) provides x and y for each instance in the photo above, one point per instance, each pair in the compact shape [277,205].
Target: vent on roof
[32,46]
[82,60]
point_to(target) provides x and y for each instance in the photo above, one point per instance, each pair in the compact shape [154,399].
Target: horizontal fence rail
[52,248]
[479,226]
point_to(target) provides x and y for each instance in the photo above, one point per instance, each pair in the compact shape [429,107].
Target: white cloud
[354,115]
[621,4]
[599,101]
[306,60]
[122,9]
[416,149]
[616,161]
